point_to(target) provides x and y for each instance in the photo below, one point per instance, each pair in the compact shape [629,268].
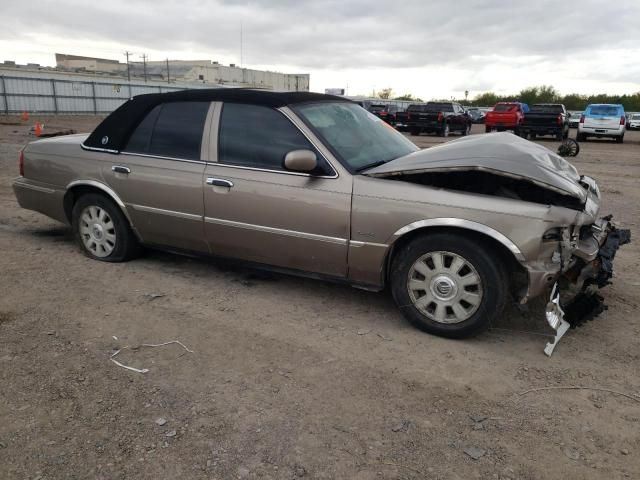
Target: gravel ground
[290,377]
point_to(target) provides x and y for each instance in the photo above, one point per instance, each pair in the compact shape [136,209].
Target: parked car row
[443,118]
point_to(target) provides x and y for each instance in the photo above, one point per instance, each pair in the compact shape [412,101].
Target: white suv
[602,120]
[634,121]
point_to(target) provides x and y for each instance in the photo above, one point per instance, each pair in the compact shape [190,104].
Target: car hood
[499,153]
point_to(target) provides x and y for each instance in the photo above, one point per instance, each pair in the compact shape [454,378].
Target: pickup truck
[385,112]
[436,117]
[546,119]
[505,116]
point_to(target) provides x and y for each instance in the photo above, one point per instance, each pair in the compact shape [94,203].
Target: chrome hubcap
[445,287]
[97,231]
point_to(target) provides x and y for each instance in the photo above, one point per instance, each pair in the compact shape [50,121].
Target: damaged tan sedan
[315,185]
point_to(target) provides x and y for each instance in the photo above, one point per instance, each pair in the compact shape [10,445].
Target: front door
[258,211]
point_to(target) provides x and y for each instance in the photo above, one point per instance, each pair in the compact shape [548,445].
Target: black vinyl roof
[114,131]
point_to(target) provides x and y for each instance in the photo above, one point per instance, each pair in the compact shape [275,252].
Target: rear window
[505,107]
[546,109]
[377,108]
[604,110]
[438,107]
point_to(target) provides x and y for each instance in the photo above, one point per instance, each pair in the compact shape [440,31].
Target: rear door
[258,211]
[159,175]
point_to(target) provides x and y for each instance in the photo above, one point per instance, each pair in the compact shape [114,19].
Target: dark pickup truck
[385,112]
[546,119]
[436,117]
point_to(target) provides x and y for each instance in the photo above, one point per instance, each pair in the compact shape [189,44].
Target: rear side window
[259,137]
[171,130]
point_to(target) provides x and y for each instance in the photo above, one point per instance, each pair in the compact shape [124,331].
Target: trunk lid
[499,153]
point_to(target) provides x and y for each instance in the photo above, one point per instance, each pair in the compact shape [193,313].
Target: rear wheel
[487,129]
[414,131]
[620,139]
[448,285]
[444,132]
[102,230]
[467,130]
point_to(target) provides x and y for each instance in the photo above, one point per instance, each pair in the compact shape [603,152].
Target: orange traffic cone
[37,130]
[24,116]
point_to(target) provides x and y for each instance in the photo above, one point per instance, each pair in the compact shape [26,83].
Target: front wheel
[467,130]
[414,131]
[448,285]
[487,129]
[102,230]
[445,130]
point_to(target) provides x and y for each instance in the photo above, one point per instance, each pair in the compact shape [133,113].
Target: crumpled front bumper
[574,297]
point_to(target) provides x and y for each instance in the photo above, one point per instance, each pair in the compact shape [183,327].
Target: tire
[532,136]
[487,129]
[580,137]
[620,139]
[414,131]
[466,131]
[449,315]
[102,231]
[444,132]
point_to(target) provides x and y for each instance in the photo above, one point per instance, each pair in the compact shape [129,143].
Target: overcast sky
[429,49]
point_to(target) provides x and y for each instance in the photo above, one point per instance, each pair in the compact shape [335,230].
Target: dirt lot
[295,378]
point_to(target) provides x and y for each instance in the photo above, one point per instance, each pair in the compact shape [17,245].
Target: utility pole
[241,44]
[127,53]
[144,66]
[168,75]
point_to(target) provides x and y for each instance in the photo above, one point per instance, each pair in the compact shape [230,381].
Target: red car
[505,116]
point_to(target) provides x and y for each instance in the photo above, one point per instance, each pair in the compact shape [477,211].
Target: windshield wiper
[371,165]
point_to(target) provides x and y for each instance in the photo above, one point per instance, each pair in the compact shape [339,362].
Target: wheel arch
[507,251]
[79,187]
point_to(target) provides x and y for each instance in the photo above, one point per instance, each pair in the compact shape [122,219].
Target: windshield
[361,140]
[505,107]
[635,117]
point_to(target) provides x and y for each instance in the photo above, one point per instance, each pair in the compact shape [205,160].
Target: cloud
[466,36]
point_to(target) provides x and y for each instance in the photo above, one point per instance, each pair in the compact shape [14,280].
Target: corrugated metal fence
[62,96]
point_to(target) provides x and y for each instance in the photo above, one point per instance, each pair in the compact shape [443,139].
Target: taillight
[559,119]
[623,120]
[440,116]
[582,118]
[21,163]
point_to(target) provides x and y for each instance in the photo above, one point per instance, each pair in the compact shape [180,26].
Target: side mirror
[300,161]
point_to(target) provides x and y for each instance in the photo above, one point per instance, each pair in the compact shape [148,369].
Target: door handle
[121,169]
[219,182]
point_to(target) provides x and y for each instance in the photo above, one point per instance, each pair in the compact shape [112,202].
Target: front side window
[360,139]
[171,129]
[259,137]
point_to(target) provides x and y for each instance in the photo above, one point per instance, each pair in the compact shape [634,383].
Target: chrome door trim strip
[201,162]
[357,244]
[162,211]
[284,172]
[34,187]
[277,231]
[462,223]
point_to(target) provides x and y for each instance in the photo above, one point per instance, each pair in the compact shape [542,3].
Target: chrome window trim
[37,188]
[96,149]
[162,211]
[284,172]
[200,162]
[462,223]
[278,231]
